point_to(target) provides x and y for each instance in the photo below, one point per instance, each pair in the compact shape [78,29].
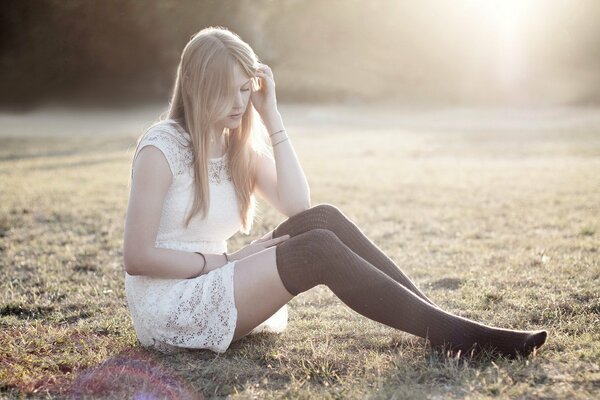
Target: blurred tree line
[320,50]
[100,49]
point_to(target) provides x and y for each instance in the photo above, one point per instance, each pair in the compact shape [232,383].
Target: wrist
[204,264]
[273,121]
[213,261]
[276,136]
[230,257]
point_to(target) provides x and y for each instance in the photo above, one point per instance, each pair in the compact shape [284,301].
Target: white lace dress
[199,313]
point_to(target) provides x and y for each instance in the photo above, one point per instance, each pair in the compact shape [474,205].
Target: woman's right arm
[150,183]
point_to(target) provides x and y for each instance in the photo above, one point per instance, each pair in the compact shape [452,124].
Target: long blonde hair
[204,93]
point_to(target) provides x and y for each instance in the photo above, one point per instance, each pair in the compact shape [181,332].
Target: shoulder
[167,131]
[171,140]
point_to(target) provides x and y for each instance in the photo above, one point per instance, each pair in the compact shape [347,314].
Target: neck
[216,146]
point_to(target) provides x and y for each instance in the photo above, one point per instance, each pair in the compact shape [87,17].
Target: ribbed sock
[327,216]
[318,257]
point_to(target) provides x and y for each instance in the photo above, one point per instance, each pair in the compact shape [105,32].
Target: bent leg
[258,289]
[327,216]
[320,257]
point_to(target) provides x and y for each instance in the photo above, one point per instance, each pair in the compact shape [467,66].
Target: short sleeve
[169,144]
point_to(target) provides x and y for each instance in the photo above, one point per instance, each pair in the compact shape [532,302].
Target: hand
[263,98]
[268,235]
[256,246]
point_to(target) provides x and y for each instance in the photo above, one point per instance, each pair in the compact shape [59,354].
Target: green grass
[498,226]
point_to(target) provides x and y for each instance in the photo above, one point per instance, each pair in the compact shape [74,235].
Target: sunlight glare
[508,22]
[507,16]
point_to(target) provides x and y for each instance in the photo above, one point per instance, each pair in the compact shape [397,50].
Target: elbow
[133,260]
[299,208]
[297,203]
[130,265]
[305,205]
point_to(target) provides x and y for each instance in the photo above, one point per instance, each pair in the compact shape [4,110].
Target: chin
[234,125]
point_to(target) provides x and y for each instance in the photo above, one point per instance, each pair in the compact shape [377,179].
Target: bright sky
[516,48]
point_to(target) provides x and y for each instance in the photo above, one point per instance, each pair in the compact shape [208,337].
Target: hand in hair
[263,98]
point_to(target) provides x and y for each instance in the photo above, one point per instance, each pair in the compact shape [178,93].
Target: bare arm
[282,182]
[150,183]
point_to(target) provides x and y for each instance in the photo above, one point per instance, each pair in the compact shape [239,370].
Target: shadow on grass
[74,165]
[134,374]
[442,375]
[25,312]
[17,149]
[47,154]
[141,373]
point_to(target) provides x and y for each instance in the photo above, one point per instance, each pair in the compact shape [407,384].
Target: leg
[320,257]
[327,216]
[253,277]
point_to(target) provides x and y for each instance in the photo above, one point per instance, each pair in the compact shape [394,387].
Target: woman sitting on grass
[194,176]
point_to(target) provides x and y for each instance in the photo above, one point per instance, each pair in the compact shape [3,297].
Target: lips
[236,115]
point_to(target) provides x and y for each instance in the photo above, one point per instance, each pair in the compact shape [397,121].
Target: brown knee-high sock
[327,216]
[320,257]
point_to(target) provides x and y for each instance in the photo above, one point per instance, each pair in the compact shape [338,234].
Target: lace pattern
[172,314]
[188,322]
[175,145]
[218,170]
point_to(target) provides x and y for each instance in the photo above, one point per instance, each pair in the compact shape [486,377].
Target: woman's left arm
[282,182]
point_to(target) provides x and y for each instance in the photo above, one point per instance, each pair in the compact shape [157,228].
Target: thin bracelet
[273,140]
[286,136]
[281,141]
[204,266]
[283,130]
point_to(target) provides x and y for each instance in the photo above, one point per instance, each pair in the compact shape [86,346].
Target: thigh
[258,289]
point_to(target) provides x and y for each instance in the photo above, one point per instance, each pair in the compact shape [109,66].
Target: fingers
[266,68]
[264,71]
[268,240]
[259,240]
[273,242]
[266,77]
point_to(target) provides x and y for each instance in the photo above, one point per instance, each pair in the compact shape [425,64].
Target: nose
[238,105]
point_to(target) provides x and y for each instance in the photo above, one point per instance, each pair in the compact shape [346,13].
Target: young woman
[194,177]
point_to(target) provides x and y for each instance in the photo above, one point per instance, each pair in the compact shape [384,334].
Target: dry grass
[501,226]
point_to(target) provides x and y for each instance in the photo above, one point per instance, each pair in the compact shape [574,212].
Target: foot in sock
[327,216]
[318,256]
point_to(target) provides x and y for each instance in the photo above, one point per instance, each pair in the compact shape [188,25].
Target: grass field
[494,221]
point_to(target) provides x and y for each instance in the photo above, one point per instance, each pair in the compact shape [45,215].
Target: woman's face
[243,86]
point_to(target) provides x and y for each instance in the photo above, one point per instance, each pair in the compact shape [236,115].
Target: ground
[494,214]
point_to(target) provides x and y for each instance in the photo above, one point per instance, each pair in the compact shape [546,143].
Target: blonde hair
[204,93]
